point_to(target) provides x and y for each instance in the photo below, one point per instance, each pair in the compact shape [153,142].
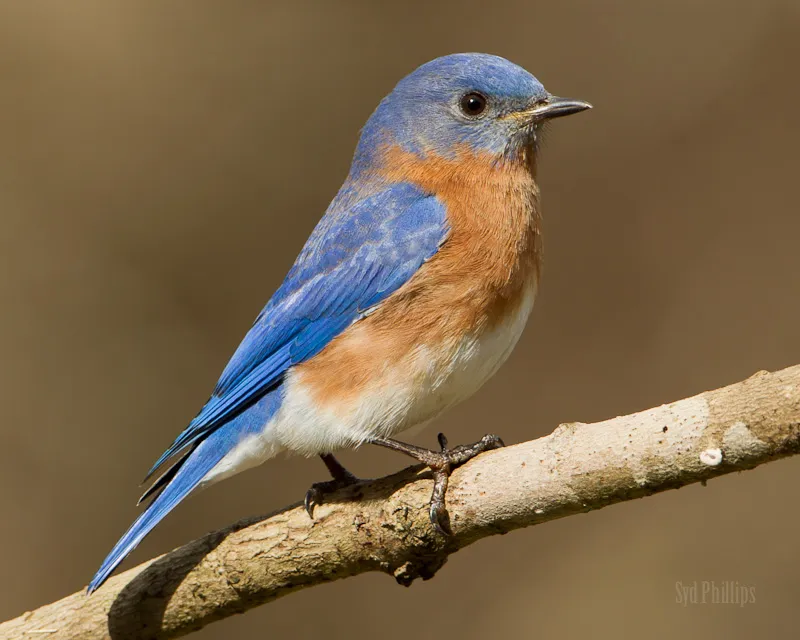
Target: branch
[383,525]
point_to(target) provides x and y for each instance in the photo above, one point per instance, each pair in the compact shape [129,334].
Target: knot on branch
[424,568]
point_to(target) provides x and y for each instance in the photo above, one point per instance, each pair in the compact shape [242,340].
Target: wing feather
[353,260]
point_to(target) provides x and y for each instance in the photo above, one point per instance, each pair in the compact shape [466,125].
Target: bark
[383,525]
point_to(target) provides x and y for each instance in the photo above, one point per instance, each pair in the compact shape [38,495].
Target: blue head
[480,101]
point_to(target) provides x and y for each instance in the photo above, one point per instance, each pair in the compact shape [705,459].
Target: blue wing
[354,259]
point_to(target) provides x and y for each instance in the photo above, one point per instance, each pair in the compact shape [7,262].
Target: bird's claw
[442,464]
[316,494]
[440,519]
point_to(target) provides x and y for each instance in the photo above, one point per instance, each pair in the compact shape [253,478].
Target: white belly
[425,383]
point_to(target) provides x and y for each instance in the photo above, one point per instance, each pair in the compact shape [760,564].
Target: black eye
[473,104]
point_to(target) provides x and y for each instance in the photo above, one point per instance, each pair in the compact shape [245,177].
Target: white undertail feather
[250,452]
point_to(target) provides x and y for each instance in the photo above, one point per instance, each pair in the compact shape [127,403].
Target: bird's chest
[438,338]
[444,334]
[452,370]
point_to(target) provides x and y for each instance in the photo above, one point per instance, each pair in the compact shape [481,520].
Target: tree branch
[383,525]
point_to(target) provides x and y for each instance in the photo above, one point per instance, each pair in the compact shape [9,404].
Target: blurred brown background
[161,165]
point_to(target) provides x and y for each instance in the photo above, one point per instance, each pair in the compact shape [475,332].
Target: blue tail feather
[166,477]
[187,473]
[192,471]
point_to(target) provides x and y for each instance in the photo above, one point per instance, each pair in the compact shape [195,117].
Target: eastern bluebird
[409,294]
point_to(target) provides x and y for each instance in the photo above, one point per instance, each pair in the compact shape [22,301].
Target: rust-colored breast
[480,276]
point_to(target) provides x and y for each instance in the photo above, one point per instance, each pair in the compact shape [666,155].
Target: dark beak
[555,107]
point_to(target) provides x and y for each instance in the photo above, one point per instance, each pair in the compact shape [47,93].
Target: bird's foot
[341,478]
[441,464]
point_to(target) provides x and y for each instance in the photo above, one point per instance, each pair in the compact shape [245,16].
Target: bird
[409,294]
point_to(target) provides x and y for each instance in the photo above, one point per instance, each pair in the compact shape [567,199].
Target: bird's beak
[552,107]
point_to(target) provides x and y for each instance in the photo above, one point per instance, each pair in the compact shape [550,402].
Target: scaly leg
[441,463]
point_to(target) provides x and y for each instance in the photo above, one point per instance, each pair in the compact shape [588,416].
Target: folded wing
[354,259]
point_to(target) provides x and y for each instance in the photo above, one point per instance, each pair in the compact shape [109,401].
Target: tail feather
[166,477]
[187,477]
